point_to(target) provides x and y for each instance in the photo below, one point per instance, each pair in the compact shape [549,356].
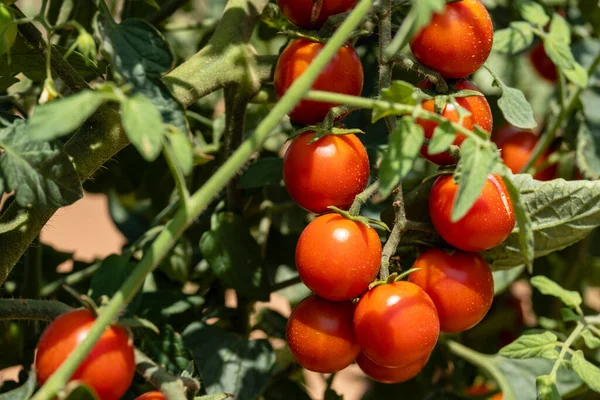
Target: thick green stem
[199,200]
[389,249]
[41,310]
[565,348]
[32,283]
[362,198]
[180,183]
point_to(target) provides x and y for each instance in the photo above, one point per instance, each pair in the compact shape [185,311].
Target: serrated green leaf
[403,149]
[143,125]
[569,315]
[476,162]
[560,53]
[514,39]
[22,392]
[177,263]
[524,224]
[532,12]
[529,346]
[546,286]
[546,388]
[265,171]
[182,148]
[40,173]
[588,372]
[399,92]
[443,136]
[591,340]
[166,349]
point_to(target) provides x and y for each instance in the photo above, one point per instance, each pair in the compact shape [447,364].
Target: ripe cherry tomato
[319,334]
[516,147]
[383,374]
[481,115]
[456,42]
[8,29]
[460,284]
[343,74]
[486,224]
[338,258]
[328,172]
[108,369]
[299,12]
[156,395]
[542,63]
[396,324]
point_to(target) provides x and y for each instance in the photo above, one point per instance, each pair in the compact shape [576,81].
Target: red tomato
[328,172]
[396,324]
[299,12]
[487,224]
[156,395]
[456,42]
[343,74]
[460,285]
[108,369]
[542,63]
[383,374]
[481,115]
[319,334]
[338,258]
[516,147]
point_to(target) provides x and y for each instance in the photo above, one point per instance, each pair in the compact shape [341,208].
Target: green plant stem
[429,74]
[401,37]
[565,112]
[384,15]
[199,200]
[32,283]
[70,279]
[389,249]
[362,198]
[40,310]
[286,284]
[565,347]
[180,183]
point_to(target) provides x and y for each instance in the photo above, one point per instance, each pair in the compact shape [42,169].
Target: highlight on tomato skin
[383,374]
[457,41]
[343,74]
[299,12]
[487,224]
[460,284]
[320,336]
[328,172]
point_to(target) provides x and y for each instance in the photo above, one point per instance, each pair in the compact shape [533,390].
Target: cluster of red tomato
[392,329]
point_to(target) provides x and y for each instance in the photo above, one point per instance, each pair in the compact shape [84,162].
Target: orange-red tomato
[108,369]
[328,172]
[481,115]
[320,336]
[516,147]
[343,74]
[396,324]
[542,63]
[456,42]
[487,224]
[299,12]
[460,284]
[156,395]
[338,258]
[383,374]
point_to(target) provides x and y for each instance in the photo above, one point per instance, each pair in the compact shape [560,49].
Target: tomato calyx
[357,218]
[87,302]
[393,278]
[321,132]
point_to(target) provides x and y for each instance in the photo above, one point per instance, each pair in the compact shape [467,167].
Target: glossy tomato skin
[8,29]
[328,172]
[481,115]
[320,336]
[338,258]
[460,284]
[542,63]
[487,224]
[155,395]
[456,42]
[298,12]
[516,147]
[383,374]
[343,74]
[108,369]
[396,324]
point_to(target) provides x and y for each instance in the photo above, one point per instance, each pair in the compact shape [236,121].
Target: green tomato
[8,29]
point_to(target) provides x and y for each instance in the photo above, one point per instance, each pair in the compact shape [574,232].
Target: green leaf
[178,262]
[503,278]
[569,315]
[40,173]
[166,349]
[271,322]
[424,10]
[514,39]
[587,155]
[559,29]
[529,346]
[546,388]
[532,12]
[182,148]
[403,149]
[588,372]
[559,52]
[265,171]
[513,104]
[592,341]
[152,3]
[234,256]
[400,92]
[22,392]
[78,390]
[476,162]
[63,116]
[546,286]
[229,363]
[143,125]
[524,224]
[443,136]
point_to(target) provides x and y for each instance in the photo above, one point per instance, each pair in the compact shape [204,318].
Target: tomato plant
[155,395]
[390,375]
[8,29]
[309,14]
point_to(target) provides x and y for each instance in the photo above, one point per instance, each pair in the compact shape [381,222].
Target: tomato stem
[432,76]
[389,249]
[362,198]
[24,309]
